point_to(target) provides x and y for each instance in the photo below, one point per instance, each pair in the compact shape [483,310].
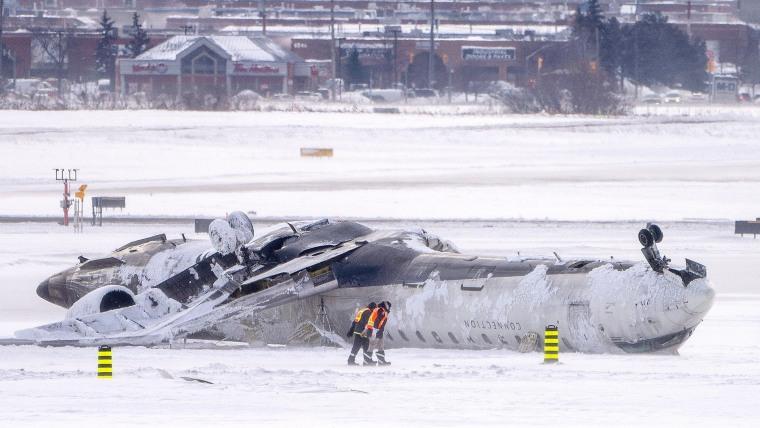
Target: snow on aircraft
[301,282]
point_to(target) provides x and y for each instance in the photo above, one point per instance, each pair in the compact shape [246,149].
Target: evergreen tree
[594,16]
[750,65]
[105,52]
[610,51]
[656,52]
[354,67]
[139,42]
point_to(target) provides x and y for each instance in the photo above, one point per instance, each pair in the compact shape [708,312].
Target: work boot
[381,359]
[368,361]
[352,360]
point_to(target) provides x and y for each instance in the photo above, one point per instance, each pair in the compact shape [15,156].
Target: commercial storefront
[460,62]
[217,65]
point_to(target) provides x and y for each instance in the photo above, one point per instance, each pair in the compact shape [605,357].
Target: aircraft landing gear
[649,237]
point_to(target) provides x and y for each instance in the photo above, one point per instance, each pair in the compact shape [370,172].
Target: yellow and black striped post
[551,344]
[105,367]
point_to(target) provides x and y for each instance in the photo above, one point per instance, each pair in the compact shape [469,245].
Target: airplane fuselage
[441,299]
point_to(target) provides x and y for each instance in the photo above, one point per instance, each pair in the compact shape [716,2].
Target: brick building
[461,61]
[218,65]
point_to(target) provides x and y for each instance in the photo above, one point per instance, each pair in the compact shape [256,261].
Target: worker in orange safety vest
[361,338]
[376,325]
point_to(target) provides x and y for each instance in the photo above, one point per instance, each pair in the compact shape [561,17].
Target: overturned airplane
[301,282]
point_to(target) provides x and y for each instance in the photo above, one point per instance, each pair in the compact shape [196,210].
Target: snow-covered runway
[715,380]
[577,186]
[399,166]
[713,383]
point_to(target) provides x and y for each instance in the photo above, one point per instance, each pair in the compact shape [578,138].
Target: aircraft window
[453,338]
[580,264]
[102,263]
[403,336]
[390,337]
[470,339]
[502,339]
[437,337]
[315,251]
[161,237]
[419,335]
[315,225]
[486,339]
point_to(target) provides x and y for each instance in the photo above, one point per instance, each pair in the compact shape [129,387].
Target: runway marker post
[551,344]
[105,363]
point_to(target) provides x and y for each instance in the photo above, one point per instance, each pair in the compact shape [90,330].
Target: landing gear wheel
[241,224]
[656,232]
[646,238]
[223,237]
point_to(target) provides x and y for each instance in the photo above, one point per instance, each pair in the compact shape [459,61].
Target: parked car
[697,97]
[23,86]
[309,96]
[358,87]
[744,97]
[651,99]
[672,98]
[425,93]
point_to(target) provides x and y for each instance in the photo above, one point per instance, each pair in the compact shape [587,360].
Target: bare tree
[52,47]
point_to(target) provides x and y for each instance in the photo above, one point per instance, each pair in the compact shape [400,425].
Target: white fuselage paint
[592,311]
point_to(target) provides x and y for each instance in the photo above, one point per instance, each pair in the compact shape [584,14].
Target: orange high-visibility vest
[377,319]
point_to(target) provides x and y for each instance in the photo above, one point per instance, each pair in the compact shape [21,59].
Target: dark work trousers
[363,343]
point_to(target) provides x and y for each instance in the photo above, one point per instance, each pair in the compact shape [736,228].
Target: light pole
[2,50]
[66,175]
[263,16]
[395,31]
[339,81]
[332,48]
[431,63]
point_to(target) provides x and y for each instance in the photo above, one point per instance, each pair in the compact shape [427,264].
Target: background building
[215,65]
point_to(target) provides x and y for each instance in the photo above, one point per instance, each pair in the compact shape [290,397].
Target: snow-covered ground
[579,186]
[398,166]
[714,382]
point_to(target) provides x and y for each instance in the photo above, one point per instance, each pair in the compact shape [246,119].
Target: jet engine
[102,299]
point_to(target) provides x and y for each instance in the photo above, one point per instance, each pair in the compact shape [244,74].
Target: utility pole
[395,57]
[332,49]
[263,16]
[2,49]
[688,19]
[395,30]
[431,63]
[636,50]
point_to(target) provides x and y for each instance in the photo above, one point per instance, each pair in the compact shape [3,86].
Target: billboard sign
[247,68]
[478,53]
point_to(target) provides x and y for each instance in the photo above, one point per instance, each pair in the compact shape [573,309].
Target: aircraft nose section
[55,289]
[43,290]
